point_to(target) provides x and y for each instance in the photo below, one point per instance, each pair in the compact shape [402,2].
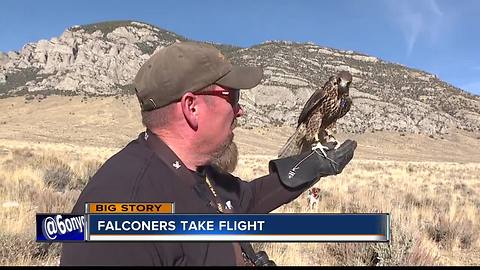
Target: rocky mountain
[102,59]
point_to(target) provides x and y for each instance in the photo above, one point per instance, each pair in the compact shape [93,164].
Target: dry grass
[35,182]
[434,211]
[434,208]
[49,149]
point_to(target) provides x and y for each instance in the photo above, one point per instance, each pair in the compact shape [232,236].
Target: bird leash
[292,172]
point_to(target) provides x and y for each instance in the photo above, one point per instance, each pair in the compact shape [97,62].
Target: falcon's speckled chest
[326,112]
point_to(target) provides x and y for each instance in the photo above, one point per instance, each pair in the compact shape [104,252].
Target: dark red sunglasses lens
[235,96]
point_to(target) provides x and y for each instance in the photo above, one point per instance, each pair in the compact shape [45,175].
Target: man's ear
[189,103]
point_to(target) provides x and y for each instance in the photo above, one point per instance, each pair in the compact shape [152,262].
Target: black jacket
[144,171]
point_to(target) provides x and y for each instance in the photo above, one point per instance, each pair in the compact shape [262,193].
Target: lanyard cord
[247,251]
[217,200]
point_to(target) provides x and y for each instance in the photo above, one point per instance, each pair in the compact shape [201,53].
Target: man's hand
[297,170]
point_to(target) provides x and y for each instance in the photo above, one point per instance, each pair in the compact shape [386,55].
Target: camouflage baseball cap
[188,67]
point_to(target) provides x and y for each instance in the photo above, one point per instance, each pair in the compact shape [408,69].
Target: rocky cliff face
[94,59]
[102,59]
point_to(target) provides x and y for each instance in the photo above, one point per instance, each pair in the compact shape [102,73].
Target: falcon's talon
[337,143]
[321,147]
[318,146]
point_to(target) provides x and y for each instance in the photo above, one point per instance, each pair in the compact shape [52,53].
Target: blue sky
[438,36]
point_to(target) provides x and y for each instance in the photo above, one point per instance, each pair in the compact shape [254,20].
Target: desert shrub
[23,250]
[442,230]
[352,254]
[421,254]
[58,175]
[20,158]
[84,173]
[467,233]
[411,200]
[405,250]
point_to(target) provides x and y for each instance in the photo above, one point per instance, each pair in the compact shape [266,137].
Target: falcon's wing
[312,102]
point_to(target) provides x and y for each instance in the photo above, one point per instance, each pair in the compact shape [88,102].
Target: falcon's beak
[344,86]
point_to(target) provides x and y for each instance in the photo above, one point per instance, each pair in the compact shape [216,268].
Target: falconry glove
[297,170]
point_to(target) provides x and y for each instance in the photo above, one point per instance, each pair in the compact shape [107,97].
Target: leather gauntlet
[307,167]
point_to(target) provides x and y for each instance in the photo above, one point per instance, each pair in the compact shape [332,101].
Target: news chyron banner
[68,227]
[159,222]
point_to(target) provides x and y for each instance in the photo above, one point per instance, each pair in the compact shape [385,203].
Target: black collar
[193,179]
[167,156]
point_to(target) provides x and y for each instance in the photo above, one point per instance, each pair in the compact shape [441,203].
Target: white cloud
[434,7]
[417,19]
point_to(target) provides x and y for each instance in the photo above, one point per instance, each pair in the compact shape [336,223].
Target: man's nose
[239,111]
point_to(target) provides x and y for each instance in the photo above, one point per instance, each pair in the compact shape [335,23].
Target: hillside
[102,59]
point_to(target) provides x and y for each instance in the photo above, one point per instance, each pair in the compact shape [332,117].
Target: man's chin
[234,124]
[227,158]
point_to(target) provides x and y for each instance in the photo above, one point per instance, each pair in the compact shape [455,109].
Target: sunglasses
[232,96]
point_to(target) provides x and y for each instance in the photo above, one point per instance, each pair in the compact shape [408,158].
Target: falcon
[319,115]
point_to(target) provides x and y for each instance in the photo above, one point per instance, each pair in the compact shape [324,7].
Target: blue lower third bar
[240,227]
[60,227]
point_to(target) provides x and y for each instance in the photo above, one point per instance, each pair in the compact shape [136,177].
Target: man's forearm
[268,193]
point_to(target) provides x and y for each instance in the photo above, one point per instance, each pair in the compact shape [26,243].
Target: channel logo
[60,227]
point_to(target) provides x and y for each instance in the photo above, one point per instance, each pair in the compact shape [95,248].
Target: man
[189,95]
